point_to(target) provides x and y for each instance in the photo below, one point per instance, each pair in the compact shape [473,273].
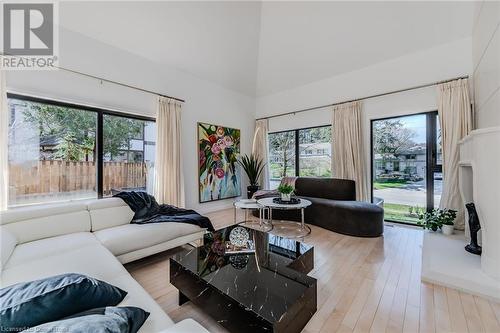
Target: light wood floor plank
[364,284]
[471,313]
[442,313]
[457,314]
[487,315]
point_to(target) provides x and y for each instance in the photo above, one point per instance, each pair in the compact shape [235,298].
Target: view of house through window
[406,152]
[301,152]
[53,152]
[315,152]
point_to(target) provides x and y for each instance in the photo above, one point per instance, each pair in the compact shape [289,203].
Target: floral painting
[218,149]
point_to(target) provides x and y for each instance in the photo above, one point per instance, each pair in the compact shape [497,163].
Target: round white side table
[302,229]
[251,204]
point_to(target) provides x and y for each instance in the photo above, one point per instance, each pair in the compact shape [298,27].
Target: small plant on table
[286,191]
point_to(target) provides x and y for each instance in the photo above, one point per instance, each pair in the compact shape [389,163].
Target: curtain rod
[111,81]
[119,83]
[360,99]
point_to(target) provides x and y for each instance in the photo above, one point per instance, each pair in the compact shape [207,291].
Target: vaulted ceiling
[258,48]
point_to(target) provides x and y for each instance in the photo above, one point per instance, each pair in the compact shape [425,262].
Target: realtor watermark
[30,35]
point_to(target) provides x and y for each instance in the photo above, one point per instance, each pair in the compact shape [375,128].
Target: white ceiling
[259,48]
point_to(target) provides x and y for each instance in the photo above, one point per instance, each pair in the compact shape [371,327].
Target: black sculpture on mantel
[474,227]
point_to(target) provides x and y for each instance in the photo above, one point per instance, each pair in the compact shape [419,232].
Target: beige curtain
[347,147]
[455,117]
[169,179]
[4,147]
[260,148]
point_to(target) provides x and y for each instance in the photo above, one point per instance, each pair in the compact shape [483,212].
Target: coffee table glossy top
[266,281]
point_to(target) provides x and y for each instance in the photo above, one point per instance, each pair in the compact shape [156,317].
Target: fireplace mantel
[479,180]
[444,260]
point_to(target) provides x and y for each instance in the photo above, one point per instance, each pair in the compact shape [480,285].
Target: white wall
[205,101]
[486,60]
[440,63]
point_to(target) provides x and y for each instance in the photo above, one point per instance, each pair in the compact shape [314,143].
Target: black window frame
[100,112]
[432,166]
[297,144]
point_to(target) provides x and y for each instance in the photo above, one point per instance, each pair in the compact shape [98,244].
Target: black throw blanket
[147,210]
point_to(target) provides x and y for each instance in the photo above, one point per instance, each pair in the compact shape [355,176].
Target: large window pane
[51,153]
[129,154]
[315,149]
[400,166]
[281,156]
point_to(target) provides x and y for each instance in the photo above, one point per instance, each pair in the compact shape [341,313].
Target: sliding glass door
[406,165]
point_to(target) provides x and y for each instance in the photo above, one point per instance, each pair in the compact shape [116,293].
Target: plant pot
[286,197]
[447,229]
[251,189]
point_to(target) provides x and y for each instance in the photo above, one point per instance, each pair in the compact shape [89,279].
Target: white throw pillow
[7,244]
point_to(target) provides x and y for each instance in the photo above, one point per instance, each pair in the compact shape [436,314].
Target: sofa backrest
[109,212]
[327,188]
[37,222]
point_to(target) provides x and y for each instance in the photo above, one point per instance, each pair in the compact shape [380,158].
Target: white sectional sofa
[93,238]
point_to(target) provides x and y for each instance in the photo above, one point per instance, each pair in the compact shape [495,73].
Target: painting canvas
[219,174]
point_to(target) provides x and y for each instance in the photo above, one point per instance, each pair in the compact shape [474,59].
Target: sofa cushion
[43,248]
[137,296]
[96,261]
[44,221]
[109,319]
[92,260]
[36,302]
[132,237]
[327,188]
[109,212]
[7,242]
[354,218]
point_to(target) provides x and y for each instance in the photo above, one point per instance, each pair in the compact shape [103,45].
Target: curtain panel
[347,147]
[4,144]
[260,149]
[169,178]
[456,120]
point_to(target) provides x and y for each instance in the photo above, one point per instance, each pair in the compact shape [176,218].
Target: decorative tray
[292,201]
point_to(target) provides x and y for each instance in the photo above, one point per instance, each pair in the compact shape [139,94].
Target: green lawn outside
[399,213]
[384,185]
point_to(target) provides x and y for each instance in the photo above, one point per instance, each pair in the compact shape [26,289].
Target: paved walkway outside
[412,195]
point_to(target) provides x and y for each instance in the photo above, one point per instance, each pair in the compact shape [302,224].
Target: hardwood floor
[364,285]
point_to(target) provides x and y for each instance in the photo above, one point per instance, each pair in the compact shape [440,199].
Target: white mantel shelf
[444,259]
[445,262]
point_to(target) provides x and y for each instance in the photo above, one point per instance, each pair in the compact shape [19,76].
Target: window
[281,156]
[54,151]
[128,160]
[300,152]
[406,165]
[318,160]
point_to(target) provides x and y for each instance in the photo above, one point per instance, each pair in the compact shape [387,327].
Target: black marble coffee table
[267,290]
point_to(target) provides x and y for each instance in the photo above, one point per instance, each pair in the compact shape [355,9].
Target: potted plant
[448,216]
[438,219]
[285,190]
[253,167]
